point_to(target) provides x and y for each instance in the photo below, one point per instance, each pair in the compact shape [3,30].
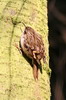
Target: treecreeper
[31,44]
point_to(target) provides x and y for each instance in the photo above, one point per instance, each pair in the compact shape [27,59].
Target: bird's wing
[35,44]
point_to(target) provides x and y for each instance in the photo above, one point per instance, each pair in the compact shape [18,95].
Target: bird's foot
[19,49]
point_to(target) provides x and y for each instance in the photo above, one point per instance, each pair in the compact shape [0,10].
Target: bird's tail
[35,72]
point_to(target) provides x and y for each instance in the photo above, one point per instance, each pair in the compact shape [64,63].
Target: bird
[32,45]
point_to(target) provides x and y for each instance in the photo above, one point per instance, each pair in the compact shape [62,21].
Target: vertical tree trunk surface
[16,76]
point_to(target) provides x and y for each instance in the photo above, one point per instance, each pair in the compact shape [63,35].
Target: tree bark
[16,76]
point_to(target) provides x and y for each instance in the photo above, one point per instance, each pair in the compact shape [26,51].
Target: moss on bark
[16,77]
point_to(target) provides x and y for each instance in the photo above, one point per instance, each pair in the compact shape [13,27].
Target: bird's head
[28,30]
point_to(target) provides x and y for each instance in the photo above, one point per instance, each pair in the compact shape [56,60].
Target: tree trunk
[16,76]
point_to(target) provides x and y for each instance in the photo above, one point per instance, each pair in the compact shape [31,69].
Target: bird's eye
[25,32]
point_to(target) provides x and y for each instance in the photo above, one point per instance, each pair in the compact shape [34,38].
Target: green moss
[16,76]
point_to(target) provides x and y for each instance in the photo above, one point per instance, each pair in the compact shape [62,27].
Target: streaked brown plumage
[32,45]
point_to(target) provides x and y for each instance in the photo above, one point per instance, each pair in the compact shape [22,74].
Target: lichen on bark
[16,77]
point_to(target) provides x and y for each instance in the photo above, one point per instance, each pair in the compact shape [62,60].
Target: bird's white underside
[22,45]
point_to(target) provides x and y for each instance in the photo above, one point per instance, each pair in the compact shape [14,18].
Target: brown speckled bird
[32,45]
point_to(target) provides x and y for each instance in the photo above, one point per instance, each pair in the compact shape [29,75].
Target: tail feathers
[35,72]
